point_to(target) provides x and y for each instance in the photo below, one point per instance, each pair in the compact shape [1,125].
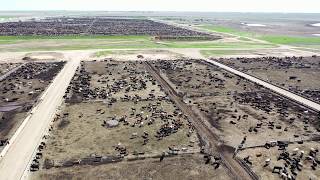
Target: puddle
[8,108]
[316,25]
[253,25]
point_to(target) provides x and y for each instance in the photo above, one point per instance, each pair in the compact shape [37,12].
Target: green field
[46,43]
[225,30]
[276,39]
[40,43]
[6,42]
[6,17]
[291,40]
[217,45]
[79,45]
[130,52]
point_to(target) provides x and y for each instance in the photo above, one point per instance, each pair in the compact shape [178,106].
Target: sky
[307,6]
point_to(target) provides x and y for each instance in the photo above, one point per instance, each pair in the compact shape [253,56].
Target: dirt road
[20,152]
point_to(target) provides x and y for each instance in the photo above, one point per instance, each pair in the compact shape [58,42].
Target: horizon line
[150,11]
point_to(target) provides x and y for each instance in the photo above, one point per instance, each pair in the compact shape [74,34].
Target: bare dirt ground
[253,53]
[10,57]
[17,57]
[76,138]
[124,55]
[35,56]
[178,167]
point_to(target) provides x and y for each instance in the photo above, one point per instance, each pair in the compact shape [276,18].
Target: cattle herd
[297,74]
[95,26]
[7,67]
[260,125]
[163,119]
[116,111]
[119,111]
[20,87]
